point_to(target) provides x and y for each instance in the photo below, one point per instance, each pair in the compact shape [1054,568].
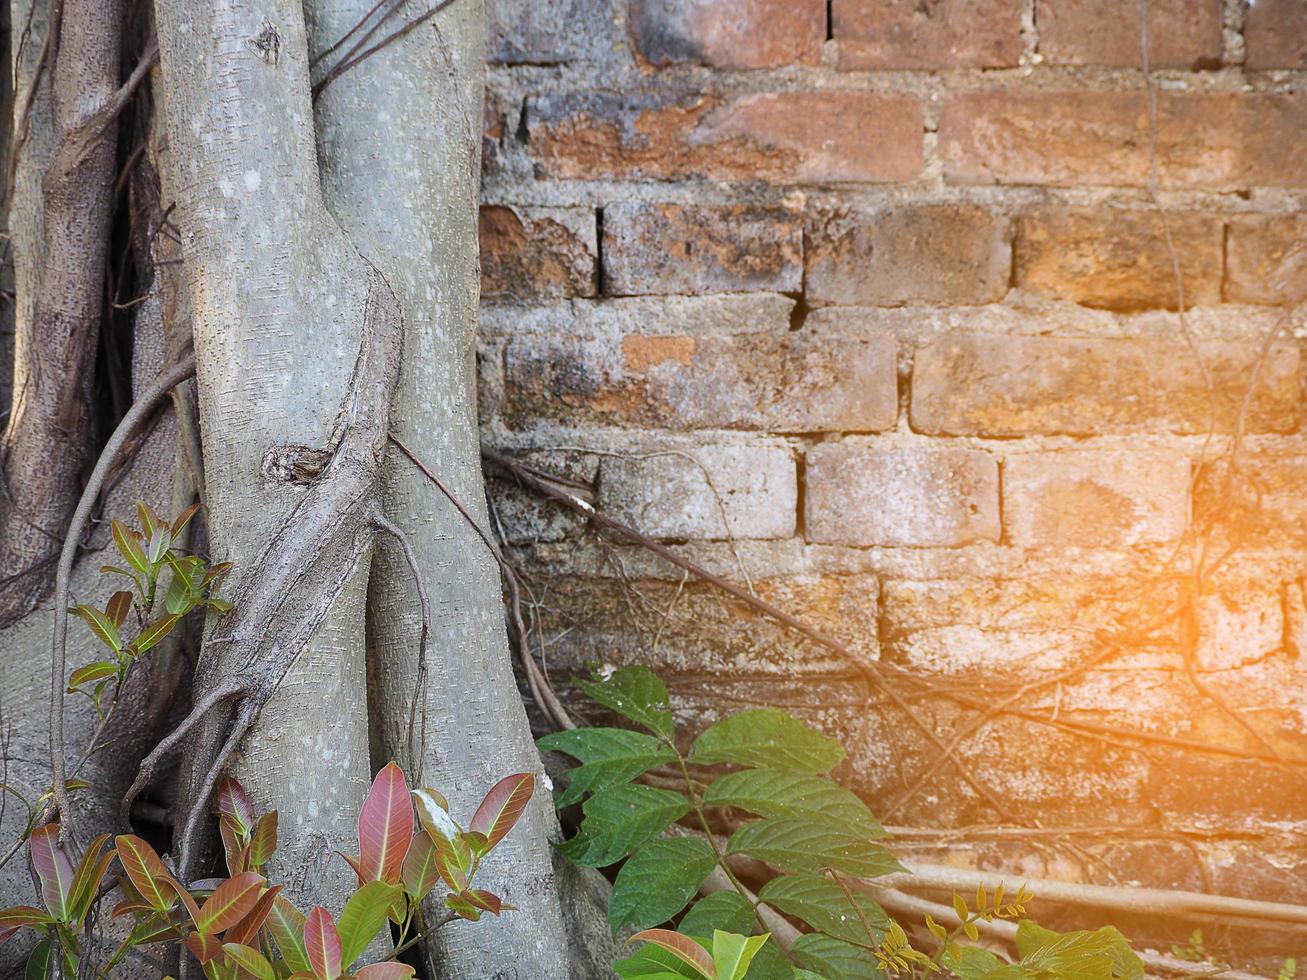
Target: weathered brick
[857,494]
[994,385]
[547,32]
[1181,33]
[1095,498]
[729,33]
[531,253]
[1238,628]
[493,127]
[1070,138]
[679,248]
[1117,259]
[886,34]
[774,136]
[948,254]
[704,492]
[1262,507]
[1275,32]
[654,315]
[527,518]
[1266,258]
[785,383]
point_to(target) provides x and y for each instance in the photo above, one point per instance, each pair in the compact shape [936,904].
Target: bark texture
[405,185]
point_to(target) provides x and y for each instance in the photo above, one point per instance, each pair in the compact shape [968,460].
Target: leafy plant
[820,838]
[242,926]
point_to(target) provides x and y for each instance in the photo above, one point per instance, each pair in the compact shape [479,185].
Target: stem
[444,920]
[862,917]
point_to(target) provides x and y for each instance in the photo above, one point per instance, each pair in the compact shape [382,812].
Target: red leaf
[503,806]
[358,868]
[183,519]
[322,942]
[247,929]
[232,901]
[234,801]
[53,869]
[233,845]
[120,604]
[489,901]
[192,909]
[145,871]
[682,947]
[13,919]
[385,826]
[384,971]
[419,873]
[86,879]
[205,947]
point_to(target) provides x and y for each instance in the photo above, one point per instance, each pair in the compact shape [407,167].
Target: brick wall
[868,303]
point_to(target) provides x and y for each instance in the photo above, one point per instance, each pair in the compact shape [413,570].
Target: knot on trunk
[294,464]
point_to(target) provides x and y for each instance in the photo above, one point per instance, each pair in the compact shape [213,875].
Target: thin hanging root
[417,733]
[244,720]
[230,688]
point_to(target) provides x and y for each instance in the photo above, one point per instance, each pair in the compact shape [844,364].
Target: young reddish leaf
[462,907]
[145,871]
[234,847]
[86,879]
[453,862]
[216,572]
[503,806]
[231,902]
[192,909]
[419,873]
[91,673]
[234,801]
[101,625]
[489,901]
[286,926]
[183,519]
[120,604]
[53,869]
[247,930]
[250,960]
[154,633]
[683,948]
[129,543]
[384,971]
[477,842]
[263,840]
[385,826]
[205,947]
[353,862]
[322,943]
[13,919]
[130,906]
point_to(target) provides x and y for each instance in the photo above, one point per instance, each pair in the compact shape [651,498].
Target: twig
[346,63]
[140,409]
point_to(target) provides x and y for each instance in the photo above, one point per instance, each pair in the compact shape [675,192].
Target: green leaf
[620,819]
[766,737]
[609,756]
[832,957]
[39,962]
[732,953]
[822,904]
[689,951]
[658,881]
[654,963]
[971,962]
[101,625]
[636,693]
[363,916]
[794,795]
[799,845]
[249,960]
[91,673]
[154,633]
[1103,953]
[728,911]
[129,543]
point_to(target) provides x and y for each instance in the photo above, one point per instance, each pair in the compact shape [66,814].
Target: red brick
[1205,140]
[1095,499]
[531,253]
[1001,385]
[1275,32]
[1266,259]
[1181,33]
[677,248]
[860,495]
[729,33]
[884,34]
[781,383]
[949,254]
[1117,259]
[780,136]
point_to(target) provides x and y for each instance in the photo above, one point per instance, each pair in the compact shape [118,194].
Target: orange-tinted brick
[910,34]
[531,253]
[1181,33]
[1275,32]
[1266,258]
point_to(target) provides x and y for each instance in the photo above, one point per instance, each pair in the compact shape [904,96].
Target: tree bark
[404,183]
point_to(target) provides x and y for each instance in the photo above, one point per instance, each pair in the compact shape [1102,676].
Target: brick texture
[1275,32]
[1266,259]
[1117,259]
[772,136]
[708,492]
[546,32]
[1181,33]
[1238,629]
[1095,499]
[729,33]
[1013,386]
[534,253]
[950,255]
[859,495]
[788,383]
[1066,138]
[674,248]
[880,34]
